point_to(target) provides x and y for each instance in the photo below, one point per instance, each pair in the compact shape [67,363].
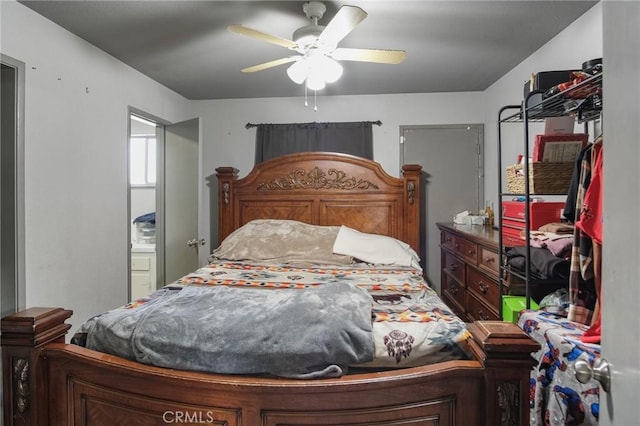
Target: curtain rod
[250,125]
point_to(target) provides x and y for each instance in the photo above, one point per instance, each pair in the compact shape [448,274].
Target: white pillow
[376,249]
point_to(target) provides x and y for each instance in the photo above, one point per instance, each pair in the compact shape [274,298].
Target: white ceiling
[451,45]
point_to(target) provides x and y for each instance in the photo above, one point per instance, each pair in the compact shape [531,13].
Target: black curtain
[274,140]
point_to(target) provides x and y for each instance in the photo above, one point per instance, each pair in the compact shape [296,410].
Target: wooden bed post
[24,382]
[411,174]
[504,351]
[226,177]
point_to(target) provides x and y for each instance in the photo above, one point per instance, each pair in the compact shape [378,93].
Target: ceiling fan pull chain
[315,101]
[306,103]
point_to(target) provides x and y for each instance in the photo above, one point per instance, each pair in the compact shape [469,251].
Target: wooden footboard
[48,382]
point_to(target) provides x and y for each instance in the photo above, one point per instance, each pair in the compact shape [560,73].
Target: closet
[533,193]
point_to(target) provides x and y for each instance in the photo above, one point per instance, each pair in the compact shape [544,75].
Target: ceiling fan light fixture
[315,81]
[298,71]
[316,70]
[330,69]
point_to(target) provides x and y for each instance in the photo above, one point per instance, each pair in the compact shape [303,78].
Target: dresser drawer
[454,291]
[464,248]
[489,261]
[467,249]
[484,287]
[454,266]
[476,310]
[448,240]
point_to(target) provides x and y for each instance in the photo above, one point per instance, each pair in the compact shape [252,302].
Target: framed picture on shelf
[559,148]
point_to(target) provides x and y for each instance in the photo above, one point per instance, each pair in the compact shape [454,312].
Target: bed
[486,382]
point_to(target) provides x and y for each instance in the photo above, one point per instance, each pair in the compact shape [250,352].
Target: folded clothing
[558,244]
[557,228]
[544,265]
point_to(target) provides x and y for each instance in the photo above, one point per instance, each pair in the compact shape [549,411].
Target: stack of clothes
[550,251]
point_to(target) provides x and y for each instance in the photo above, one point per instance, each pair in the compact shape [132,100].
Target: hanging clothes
[582,290]
[590,222]
[590,218]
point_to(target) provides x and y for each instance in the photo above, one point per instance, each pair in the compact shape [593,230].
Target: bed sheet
[556,396]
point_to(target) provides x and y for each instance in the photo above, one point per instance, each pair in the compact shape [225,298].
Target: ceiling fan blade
[270,64]
[380,56]
[342,24]
[249,32]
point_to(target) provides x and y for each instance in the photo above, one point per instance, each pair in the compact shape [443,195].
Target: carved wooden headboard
[323,188]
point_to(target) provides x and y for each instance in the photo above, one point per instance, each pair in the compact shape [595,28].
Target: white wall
[228,143]
[76,115]
[579,42]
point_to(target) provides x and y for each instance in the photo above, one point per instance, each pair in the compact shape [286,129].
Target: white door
[452,158]
[178,201]
[621,238]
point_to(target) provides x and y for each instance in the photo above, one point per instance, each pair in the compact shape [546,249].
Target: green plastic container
[512,305]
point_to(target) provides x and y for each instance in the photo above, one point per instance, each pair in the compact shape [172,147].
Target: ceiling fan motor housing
[307,35]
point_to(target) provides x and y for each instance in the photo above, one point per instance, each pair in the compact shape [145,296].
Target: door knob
[599,372]
[196,242]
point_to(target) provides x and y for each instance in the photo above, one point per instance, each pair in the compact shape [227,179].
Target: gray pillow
[281,241]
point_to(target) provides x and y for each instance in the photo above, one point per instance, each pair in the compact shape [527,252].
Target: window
[142,157]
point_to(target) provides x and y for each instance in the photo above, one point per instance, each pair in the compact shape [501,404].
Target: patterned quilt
[557,398]
[410,324]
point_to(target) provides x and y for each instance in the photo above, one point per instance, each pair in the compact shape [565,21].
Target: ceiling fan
[316,47]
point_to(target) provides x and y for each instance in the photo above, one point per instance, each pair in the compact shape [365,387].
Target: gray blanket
[305,333]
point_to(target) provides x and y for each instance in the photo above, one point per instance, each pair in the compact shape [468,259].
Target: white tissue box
[464,218]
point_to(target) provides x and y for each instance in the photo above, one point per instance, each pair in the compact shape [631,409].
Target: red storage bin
[540,213]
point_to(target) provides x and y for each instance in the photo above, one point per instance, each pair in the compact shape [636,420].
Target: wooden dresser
[470,270]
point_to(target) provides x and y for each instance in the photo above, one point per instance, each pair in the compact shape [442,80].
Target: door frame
[16,230]
[427,236]
[479,127]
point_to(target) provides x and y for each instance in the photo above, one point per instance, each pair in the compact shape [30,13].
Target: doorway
[12,267]
[163,163]
[12,213]
[143,143]
[452,160]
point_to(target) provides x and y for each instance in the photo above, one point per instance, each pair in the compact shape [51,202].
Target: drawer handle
[448,240]
[456,245]
[453,267]
[471,252]
[489,260]
[482,315]
[454,290]
[483,287]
